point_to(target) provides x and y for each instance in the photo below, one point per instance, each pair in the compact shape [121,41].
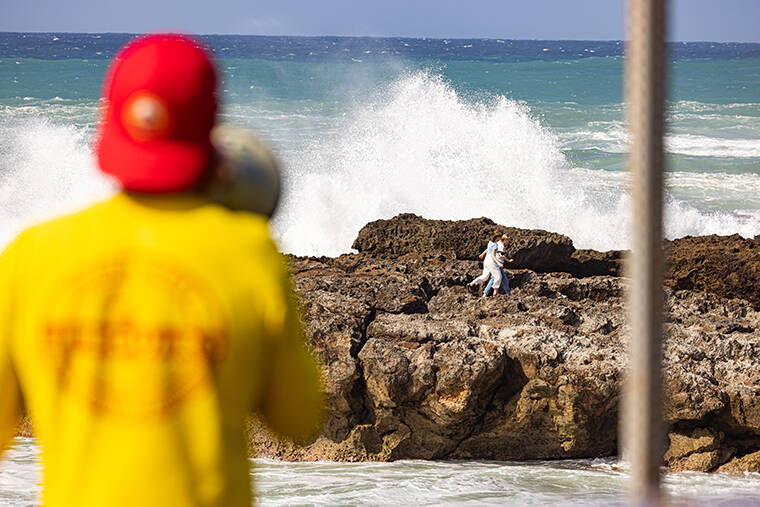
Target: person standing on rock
[491,265]
[501,250]
[140,332]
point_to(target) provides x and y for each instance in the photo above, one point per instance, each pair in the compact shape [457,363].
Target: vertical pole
[645,94]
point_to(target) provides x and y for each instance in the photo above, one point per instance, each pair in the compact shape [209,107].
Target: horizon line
[417,37]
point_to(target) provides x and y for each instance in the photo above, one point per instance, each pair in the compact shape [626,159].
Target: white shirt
[489,261]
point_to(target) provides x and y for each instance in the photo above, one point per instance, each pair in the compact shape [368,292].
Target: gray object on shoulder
[246,176]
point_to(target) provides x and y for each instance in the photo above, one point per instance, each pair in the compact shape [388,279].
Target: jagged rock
[728,266]
[593,263]
[725,265]
[418,367]
[697,462]
[532,376]
[747,463]
[433,376]
[698,450]
[465,239]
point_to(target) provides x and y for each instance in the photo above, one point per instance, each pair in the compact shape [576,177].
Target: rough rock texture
[419,367]
[593,263]
[747,463]
[700,449]
[24,428]
[463,239]
[725,265]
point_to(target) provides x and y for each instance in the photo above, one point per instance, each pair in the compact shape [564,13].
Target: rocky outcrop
[747,463]
[725,265]
[593,263]
[700,449]
[728,266]
[419,367]
[462,239]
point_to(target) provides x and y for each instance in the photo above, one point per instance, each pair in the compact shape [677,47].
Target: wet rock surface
[419,367]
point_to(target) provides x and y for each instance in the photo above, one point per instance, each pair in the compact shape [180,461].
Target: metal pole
[645,94]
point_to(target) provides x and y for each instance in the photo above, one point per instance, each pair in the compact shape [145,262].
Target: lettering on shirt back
[133,337]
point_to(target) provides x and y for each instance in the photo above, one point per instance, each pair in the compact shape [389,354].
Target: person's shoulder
[256,224]
[246,225]
[247,232]
[57,227]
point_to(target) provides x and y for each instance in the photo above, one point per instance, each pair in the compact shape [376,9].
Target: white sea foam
[415,146]
[703,146]
[588,482]
[610,137]
[419,147]
[47,170]
[713,191]
[613,138]
[695,106]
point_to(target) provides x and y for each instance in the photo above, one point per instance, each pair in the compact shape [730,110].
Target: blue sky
[713,20]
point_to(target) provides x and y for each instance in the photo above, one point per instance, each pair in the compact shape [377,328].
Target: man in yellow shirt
[140,332]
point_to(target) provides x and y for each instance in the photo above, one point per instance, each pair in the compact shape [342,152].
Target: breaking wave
[415,145]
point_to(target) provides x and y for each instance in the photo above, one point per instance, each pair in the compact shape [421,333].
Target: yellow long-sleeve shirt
[139,333]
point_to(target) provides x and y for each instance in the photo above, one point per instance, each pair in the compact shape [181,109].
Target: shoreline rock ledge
[417,367]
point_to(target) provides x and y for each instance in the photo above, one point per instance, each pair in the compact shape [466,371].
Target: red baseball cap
[160,107]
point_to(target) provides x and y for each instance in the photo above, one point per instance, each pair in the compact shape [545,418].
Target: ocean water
[528,133]
[599,482]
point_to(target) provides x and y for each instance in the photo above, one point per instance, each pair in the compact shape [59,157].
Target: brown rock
[747,463]
[698,450]
[592,263]
[25,428]
[534,375]
[698,440]
[728,266]
[697,462]
[725,265]
[465,239]
[418,367]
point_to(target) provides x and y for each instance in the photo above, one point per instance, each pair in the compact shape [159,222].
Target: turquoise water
[529,133]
